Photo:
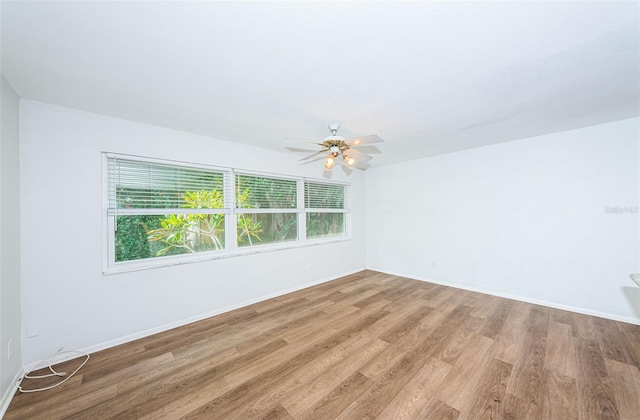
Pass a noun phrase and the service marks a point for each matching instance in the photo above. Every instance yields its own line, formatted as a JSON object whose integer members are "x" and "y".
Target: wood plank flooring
{"x": 369, "y": 345}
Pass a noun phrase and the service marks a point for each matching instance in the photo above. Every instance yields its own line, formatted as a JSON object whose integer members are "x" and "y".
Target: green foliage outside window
{"x": 187, "y": 233}
{"x": 146, "y": 236}
{"x": 320, "y": 225}
{"x": 131, "y": 237}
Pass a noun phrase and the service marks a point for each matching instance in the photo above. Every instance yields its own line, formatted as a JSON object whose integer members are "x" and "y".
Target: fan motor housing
{"x": 335, "y": 144}
{"x": 334, "y": 139}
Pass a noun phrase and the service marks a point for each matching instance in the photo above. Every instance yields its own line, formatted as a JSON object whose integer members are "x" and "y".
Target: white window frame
{"x": 110, "y": 266}
{"x": 346, "y": 211}
{"x": 240, "y": 250}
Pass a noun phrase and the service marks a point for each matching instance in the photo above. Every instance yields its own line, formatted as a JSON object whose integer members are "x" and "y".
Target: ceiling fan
{"x": 338, "y": 146}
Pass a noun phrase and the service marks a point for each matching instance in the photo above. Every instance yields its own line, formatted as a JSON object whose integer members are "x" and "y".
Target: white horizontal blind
{"x": 138, "y": 184}
{"x": 262, "y": 192}
{"x": 325, "y": 196}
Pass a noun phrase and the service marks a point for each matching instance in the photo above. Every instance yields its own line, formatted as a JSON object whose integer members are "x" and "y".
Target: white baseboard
{"x": 519, "y": 298}
{"x": 196, "y": 318}
{"x": 10, "y": 392}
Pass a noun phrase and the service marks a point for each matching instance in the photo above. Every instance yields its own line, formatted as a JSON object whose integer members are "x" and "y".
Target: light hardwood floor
{"x": 369, "y": 345}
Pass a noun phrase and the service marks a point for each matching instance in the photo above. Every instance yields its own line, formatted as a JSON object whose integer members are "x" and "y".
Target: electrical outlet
{"x": 9, "y": 349}
{"x": 310, "y": 267}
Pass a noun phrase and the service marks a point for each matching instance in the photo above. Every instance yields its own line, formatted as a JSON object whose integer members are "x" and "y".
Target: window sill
{"x": 153, "y": 263}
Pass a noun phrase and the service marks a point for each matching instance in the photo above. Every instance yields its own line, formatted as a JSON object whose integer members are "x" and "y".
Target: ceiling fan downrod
{"x": 333, "y": 128}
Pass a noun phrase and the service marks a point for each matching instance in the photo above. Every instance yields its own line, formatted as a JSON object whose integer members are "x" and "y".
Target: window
{"x": 267, "y": 210}
{"x": 160, "y": 213}
{"x": 161, "y": 210}
{"x": 325, "y": 206}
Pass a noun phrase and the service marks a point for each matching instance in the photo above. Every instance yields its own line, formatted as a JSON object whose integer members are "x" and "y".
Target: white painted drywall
{"x": 64, "y": 291}
{"x": 526, "y": 219}
{"x": 9, "y": 240}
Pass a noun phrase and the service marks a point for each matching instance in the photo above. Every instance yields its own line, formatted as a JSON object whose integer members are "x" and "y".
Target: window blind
{"x": 259, "y": 192}
{"x": 136, "y": 184}
{"x": 325, "y": 196}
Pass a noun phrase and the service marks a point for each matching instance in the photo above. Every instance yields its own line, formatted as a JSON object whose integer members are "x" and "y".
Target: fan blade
{"x": 357, "y": 155}
{"x": 357, "y": 141}
{"x": 368, "y": 150}
{"x": 300, "y": 150}
{"x": 313, "y": 155}
{"x": 361, "y": 165}
{"x": 311, "y": 160}
{"x": 301, "y": 145}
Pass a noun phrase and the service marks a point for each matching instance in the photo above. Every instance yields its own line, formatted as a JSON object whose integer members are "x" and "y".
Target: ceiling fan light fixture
{"x": 329, "y": 162}
{"x": 337, "y": 146}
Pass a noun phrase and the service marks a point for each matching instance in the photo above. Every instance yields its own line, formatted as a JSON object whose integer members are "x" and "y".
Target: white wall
{"x": 9, "y": 241}
{"x": 64, "y": 292}
{"x": 524, "y": 219}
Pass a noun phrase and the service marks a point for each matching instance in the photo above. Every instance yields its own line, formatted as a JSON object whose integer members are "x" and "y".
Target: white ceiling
{"x": 428, "y": 77}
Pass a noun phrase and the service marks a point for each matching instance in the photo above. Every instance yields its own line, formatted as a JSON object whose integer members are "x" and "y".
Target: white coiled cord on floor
{"x": 49, "y": 364}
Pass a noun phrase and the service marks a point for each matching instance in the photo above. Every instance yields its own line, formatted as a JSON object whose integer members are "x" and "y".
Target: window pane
{"x": 324, "y": 196}
{"x": 256, "y": 192}
{"x": 266, "y": 228}
{"x": 321, "y": 225}
{"x": 149, "y": 236}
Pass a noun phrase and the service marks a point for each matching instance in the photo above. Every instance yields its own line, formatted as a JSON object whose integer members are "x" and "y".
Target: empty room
{"x": 320, "y": 210}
